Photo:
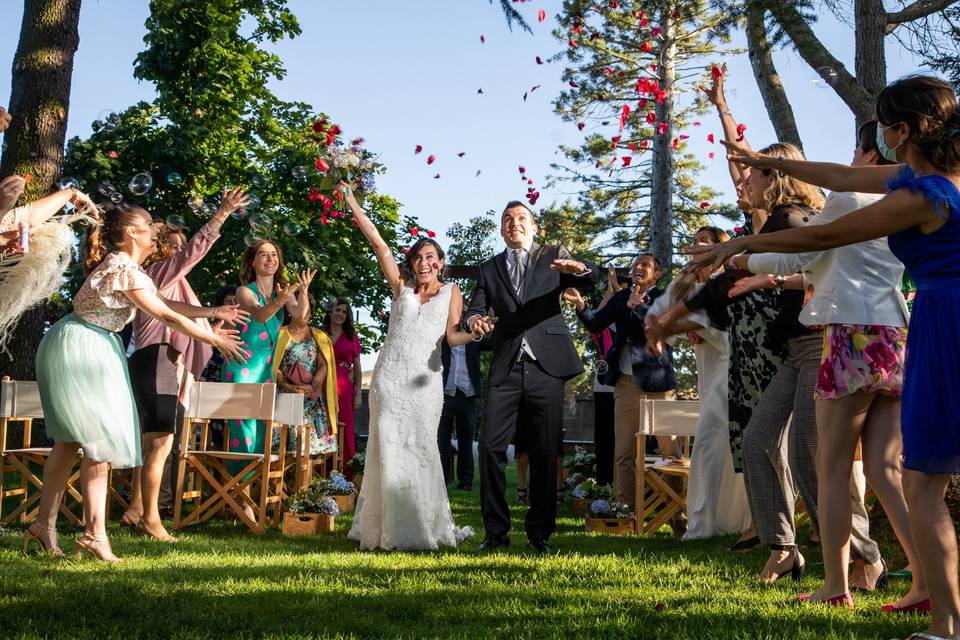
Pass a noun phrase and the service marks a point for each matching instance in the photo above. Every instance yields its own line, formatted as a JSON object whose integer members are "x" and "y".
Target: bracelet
{"x": 726, "y": 112}
{"x": 477, "y": 338}
{"x": 213, "y": 313}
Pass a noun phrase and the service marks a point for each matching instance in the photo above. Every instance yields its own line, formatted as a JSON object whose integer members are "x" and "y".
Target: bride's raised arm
{"x": 388, "y": 264}
{"x": 456, "y": 336}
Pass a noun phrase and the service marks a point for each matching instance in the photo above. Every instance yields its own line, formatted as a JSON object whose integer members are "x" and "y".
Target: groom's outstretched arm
{"x": 586, "y": 280}
{"x": 478, "y": 302}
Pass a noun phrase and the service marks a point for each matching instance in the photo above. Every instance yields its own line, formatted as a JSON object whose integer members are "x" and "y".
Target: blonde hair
{"x": 784, "y": 189}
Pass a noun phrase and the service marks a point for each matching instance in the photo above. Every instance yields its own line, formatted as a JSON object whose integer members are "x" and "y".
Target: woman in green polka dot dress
{"x": 267, "y": 296}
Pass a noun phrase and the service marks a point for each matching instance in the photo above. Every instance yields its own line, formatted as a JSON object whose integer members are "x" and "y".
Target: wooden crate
{"x": 581, "y": 506}
{"x": 614, "y": 526}
{"x": 344, "y": 502}
{"x": 307, "y": 524}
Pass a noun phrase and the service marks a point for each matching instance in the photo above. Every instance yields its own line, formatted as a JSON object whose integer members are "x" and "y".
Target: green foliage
{"x": 215, "y": 123}
{"x": 513, "y": 16}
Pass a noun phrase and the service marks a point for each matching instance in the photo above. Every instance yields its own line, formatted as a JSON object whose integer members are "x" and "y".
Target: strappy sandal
{"x": 522, "y": 496}
{"x": 29, "y": 537}
{"x": 90, "y": 543}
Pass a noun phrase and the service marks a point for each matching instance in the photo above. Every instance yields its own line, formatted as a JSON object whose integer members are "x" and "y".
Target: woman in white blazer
{"x": 856, "y": 299}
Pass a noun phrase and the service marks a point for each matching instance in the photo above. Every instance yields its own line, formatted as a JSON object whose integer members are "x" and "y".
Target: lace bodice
{"x": 412, "y": 344}
{"x": 100, "y": 300}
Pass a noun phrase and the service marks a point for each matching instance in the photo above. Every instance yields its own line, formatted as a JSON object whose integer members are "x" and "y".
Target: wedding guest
{"x": 338, "y": 324}
{"x": 266, "y": 295}
{"x": 165, "y": 363}
{"x": 303, "y": 362}
{"x": 856, "y": 299}
{"x": 919, "y": 126}
{"x": 462, "y": 383}
{"x": 604, "y": 437}
{"x": 634, "y": 375}
{"x": 83, "y": 381}
{"x": 716, "y": 497}
{"x": 33, "y": 214}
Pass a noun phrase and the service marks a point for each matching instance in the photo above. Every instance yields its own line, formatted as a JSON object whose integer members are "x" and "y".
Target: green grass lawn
{"x": 221, "y": 581}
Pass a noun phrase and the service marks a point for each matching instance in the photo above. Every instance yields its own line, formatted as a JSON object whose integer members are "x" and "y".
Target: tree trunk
{"x": 768, "y": 80}
{"x": 814, "y": 53}
{"x": 870, "y": 63}
{"x": 661, "y": 191}
{"x": 39, "y": 102}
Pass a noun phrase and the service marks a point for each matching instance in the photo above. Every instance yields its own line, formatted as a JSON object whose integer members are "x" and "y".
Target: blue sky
{"x": 406, "y": 73}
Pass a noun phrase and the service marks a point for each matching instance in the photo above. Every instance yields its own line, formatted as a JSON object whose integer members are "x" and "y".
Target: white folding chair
{"x": 657, "y": 501}
{"x": 229, "y": 401}
{"x": 20, "y": 402}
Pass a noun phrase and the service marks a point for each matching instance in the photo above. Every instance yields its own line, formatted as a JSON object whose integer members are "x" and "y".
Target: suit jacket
{"x": 649, "y": 373}
{"x": 533, "y": 313}
{"x": 472, "y": 354}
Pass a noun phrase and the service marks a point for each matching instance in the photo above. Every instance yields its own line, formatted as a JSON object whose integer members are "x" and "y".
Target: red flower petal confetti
{"x": 626, "y": 160}
{"x": 529, "y": 181}
{"x": 684, "y": 136}
{"x": 113, "y": 154}
{"x": 632, "y": 146}
{"x": 737, "y": 229}
{"x": 431, "y": 234}
{"x": 539, "y": 61}
{"x": 572, "y": 43}
{"x": 334, "y": 130}
{"x": 479, "y": 90}
{"x": 324, "y": 219}
{"x": 651, "y": 117}
{"x": 482, "y": 39}
{"x": 414, "y": 231}
{"x": 676, "y": 144}
{"x": 319, "y": 125}
{"x": 572, "y": 84}
{"x": 662, "y": 127}
{"x": 461, "y": 154}
{"x": 655, "y": 32}
{"x": 321, "y": 165}
{"x": 523, "y": 169}
{"x": 740, "y": 129}
{"x": 477, "y": 174}
{"x": 644, "y": 144}
{"x": 711, "y": 139}
{"x": 406, "y": 250}
{"x": 581, "y": 125}
{"x": 356, "y": 142}
{"x": 704, "y": 205}
{"x": 418, "y": 149}
{"x": 646, "y": 47}
{"x": 624, "y": 114}
{"x": 710, "y": 155}
{"x": 431, "y": 158}
{"x": 644, "y": 22}
{"x": 716, "y": 72}
{"x": 541, "y": 15}
{"x": 436, "y": 177}
{"x": 696, "y": 123}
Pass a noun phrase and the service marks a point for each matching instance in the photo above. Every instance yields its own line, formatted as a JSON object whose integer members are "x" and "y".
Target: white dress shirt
{"x": 459, "y": 376}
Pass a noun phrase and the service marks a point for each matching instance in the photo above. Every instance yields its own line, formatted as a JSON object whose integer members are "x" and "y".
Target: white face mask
{"x": 889, "y": 153}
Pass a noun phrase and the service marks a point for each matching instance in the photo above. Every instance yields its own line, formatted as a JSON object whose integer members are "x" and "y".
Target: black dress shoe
{"x": 745, "y": 545}
{"x": 492, "y": 544}
{"x": 539, "y": 546}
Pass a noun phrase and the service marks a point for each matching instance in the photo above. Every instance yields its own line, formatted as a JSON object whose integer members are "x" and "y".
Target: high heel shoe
{"x": 923, "y": 606}
{"x": 795, "y": 571}
{"x": 90, "y": 544}
{"x": 881, "y": 582}
{"x": 29, "y": 537}
{"x": 843, "y": 600}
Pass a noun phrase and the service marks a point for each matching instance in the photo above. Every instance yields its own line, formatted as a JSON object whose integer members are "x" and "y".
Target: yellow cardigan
{"x": 325, "y": 350}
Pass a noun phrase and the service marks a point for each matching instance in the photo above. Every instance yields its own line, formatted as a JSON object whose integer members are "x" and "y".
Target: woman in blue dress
{"x": 919, "y": 127}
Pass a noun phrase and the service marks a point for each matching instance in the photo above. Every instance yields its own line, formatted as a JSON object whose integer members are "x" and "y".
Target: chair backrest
{"x": 19, "y": 399}
{"x": 228, "y": 400}
{"x": 668, "y": 417}
{"x": 289, "y": 409}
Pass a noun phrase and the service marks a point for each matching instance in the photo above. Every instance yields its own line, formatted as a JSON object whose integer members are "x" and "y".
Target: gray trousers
{"x": 780, "y": 453}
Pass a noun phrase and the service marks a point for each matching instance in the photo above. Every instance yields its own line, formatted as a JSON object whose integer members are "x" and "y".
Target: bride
{"x": 403, "y": 501}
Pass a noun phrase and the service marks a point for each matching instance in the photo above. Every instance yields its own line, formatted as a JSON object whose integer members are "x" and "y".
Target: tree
{"x": 513, "y": 16}
{"x": 40, "y": 104}
{"x": 639, "y": 180}
{"x": 215, "y": 122}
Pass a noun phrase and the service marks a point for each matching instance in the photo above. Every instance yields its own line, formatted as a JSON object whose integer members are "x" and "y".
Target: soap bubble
{"x": 299, "y": 172}
{"x": 116, "y": 197}
{"x": 239, "y": 214}
{"x": 140, "y": 184}
{"x": 106, "y": 188}
{"x": 195, "y": 203}
{"x": 249, "y": 240}
{"x": 828, "y": 78}
{"x": 260, "y": 221}
{"x": 109, "y": 119}
{"x": 208, "y": 209}
{"x": 600, "y": 367}
{"x": 292, "y": 228}
{"x": 174, "y": 179}
{"x": 253, "y": 202}
{"x": 175, "y": 221}
{"x": 259, "y": 180}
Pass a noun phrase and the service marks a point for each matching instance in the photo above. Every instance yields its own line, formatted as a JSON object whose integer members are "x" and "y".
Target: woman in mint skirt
{"x": 82, "y": 375}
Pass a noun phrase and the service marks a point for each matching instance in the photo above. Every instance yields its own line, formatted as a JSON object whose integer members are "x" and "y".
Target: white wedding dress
{"x": 403, "y": 501}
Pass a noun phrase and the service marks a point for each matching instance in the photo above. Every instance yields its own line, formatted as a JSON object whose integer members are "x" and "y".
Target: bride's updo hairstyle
{"x": 407, "y": 271}
{"x": 929, "y": 106}
{"x": 107, "y": 236}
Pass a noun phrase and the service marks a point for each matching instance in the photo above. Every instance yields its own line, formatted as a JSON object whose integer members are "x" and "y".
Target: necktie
{"x": 516, "y": 275}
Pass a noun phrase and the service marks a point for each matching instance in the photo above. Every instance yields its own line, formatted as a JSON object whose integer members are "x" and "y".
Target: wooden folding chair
{"x": 20, "y": 402}
{"x": 229, "y": 401}
{"x": 656, "y": 500}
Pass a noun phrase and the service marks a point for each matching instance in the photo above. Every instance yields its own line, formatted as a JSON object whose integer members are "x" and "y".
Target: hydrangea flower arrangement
{"x": 607, "y": 509}
{"x": 308, "y": 500}
{"x": 590, "y": 490}
{"x": 335, "y": 485}
{"x": 582, "y": 462}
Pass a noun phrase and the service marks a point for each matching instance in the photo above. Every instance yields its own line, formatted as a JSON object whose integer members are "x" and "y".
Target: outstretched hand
{"x": 566, "y": 265}
{"x": 714, "y": 93}
{"x": 231, "y": 200}
{"x": 712, "y": 255}
{"x": 744, "y": 155}
{"x": 285, "y": 293}
{"x": 232, "y": 314}
{"x": 751, "y": 283}
{"x": 228, "y": 342}
{"x": 573, "y": 297}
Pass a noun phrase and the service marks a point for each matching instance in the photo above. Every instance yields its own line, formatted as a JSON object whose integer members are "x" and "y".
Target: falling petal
{"x": 711, "y": 139}
{"x": 418, "y": 149}
{"x": 541, "y": 15}
{"x": 539, "y": 61}
{"x": 704, "y": 205}
{"x": 431, "y": 234}
{"x": 414, "y": 231}
{"x": 581, "y": 125}
{"x": 436, "y": 177}
{"x": 482, "y": 39}
{"x": 461, "y": 154}
{"x": 431, "y": 158}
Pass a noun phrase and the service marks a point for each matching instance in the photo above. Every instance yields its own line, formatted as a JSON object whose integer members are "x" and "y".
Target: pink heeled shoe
{"x": 923, "y": 606}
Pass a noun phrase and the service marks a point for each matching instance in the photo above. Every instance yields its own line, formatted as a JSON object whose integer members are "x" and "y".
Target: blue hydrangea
{"x": 578, "y": 492}
{"x": 600, "y": 507}
{"x": 329, "y": 507}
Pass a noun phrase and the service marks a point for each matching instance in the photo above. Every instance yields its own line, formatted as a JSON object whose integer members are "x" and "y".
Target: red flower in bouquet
{"x": 322, "y": 165}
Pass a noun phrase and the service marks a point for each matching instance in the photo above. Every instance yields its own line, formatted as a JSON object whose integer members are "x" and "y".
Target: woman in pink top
{"x": 346, "y": 349}
{"x": 166, "y": 362}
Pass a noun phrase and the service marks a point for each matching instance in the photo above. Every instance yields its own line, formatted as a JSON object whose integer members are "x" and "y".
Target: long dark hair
{"x": 407, "y": 267}
{"x": 348, "y": 329}
{"x": 929, "y": 106}
{"x": 107, "y": 236}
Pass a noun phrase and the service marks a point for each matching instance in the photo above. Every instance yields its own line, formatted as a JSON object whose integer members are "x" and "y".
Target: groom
{"x": 533, "y": 354}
